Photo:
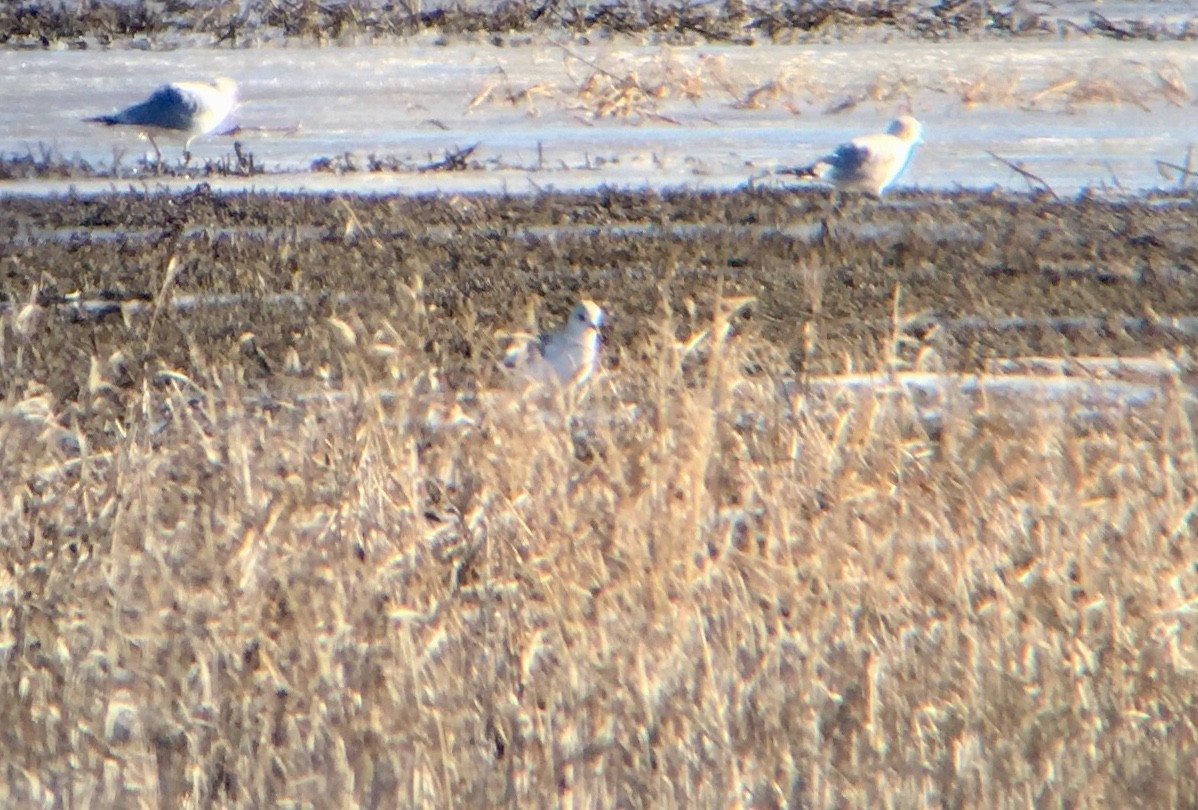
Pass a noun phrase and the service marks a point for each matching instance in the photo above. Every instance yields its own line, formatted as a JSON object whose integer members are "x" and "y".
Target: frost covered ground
{"x": 569, "y": 114}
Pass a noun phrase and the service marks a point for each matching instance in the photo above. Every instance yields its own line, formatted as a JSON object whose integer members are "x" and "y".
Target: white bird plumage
{"x": 182, "y": 109}
{"x": 869, "y": 163}
{"x": 567, "y": 357}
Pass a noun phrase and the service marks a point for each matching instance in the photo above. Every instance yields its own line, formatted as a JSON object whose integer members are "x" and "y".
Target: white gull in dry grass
{"x": 869, "y": 163}
{"x": 184, "y": 110}
{"x": 567, "y": 357}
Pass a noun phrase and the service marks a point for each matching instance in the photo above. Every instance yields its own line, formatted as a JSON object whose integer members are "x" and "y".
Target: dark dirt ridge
{"x": 34, "y": 23}
{"x": 47, "y": 163}
{"x": 1090, "y": 276}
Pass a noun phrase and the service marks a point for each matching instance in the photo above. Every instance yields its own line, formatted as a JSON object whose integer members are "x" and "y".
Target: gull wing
{"x": 167, "y": 107}
{"x": 850, "y": 157}
{"x": 525, "y": 350}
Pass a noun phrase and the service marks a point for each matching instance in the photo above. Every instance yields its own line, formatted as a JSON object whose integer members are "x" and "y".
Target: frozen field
{"x": 1084, "y": 114}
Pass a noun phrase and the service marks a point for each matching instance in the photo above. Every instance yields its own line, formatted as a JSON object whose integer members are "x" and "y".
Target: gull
{"x": 869, "y": 163}
{"x": 181, "y": 109}
{"x": 567, "y": 357}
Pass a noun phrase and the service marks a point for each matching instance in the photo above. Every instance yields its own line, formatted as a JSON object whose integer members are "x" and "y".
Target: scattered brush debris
{"x": 1035, "y": 182}
{"x": 627, "y": 88}
{"x": 1181, "y": 172}
{"x": 47, "y": 164}
{"x": 453, "y": 160}
{"x": 44, "y": 164}
{"x": 240, "y": 164}
{"x": 651, "y": 87}
{"x": 337, "y": 164}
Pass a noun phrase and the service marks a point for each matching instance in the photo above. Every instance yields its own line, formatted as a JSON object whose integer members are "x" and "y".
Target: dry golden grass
{"x": 634, "y": 88}
{"x": 704, "y": 585}
{"x": 1101, "y": 82}
{"x": 619, "y": 86}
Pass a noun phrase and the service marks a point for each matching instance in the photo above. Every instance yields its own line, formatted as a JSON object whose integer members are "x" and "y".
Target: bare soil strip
{"x": 39, "y": 23}
{"x": 972, "y": 277}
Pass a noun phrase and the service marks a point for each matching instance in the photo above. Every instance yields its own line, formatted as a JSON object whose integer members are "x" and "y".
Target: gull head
{"x": 586, "y": 317}
{"x": 228, "y": 90}
{"x": 906, "y": 129}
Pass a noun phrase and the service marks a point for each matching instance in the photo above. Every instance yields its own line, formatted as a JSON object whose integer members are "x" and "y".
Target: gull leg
{"x": 157, "y": 152}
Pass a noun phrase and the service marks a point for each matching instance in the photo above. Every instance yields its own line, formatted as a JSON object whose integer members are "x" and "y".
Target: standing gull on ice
{"x": 182, "y": 109}
{"x": 567, "y": 357}
{"x": 869, "y": 163}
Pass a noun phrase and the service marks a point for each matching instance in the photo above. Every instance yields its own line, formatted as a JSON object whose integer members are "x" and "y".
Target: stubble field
{"x": 875, "y": 503}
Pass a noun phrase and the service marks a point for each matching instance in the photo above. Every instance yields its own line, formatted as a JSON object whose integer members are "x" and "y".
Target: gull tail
{"x": 813, "y": 172}
{"x": 106, "y": 120}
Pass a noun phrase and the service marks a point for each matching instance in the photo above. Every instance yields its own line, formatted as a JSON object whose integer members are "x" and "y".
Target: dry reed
{"x": 703, "y": 585}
